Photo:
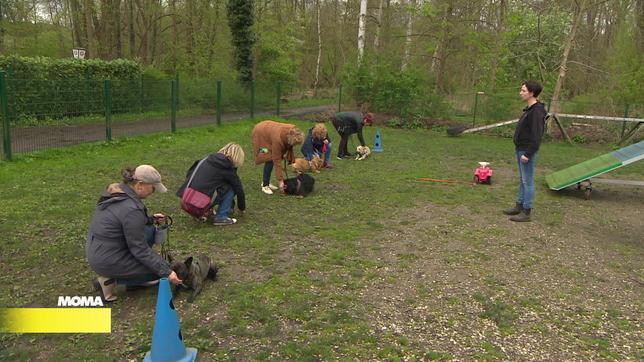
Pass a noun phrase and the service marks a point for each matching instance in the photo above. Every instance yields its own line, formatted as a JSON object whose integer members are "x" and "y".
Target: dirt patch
{"x": 477, "y": 286}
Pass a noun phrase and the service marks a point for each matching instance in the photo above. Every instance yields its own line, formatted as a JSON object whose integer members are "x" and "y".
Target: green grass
{"x": 295, "y": 272}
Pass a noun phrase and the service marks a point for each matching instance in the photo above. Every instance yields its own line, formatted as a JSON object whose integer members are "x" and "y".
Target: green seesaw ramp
{"x": 595, "y": 167}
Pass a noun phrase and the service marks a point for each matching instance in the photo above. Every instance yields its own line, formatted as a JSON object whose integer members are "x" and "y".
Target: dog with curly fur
{"x": 362, "y": 152}
{"x": 301, "y": 165}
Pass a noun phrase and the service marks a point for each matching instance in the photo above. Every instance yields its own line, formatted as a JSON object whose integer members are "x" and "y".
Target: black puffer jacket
{"x": 529, "y": 131}
{"x": 217, "y": 172}
{"x": 116, "y": 245}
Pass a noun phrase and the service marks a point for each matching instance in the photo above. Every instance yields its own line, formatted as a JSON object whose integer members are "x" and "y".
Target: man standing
{"x": 527, "y": 138}
{"x": 348, "y": 123}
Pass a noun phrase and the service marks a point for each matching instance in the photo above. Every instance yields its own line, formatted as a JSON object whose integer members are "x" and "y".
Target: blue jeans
{"x": 526, "y": 180}
{"x": 327, "y": 154}
{"x": 225, "y": 201}
{"x": 268, "y": 168}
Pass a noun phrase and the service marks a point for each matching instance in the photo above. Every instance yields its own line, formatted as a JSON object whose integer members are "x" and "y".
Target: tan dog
{"x": 362, "y": 152}
{"x": 301, "y": 165}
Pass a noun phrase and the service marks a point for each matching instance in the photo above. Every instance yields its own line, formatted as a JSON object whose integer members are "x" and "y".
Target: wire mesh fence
{"x": 37, "y": 114}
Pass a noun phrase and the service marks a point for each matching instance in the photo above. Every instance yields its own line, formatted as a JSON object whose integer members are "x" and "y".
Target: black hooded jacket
{"x": 529, "y": 131}
{"x": 217, "y": 172}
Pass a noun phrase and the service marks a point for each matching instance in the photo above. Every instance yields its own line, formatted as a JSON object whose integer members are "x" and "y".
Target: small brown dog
{"x": 362, "y": 152}
{"x": 301, "y": 165}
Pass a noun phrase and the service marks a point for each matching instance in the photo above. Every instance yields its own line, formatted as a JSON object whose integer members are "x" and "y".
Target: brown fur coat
{"x": 272, "y": 136}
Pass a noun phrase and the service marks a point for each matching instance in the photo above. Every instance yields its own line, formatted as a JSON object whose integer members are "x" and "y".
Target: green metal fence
{"x": 40, "y": 114}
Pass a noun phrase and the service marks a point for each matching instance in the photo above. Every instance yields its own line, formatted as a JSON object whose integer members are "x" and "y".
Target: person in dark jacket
{"x": 317, "y": 142}
{"x": 218, "y": 175}
{"x": 527, "y": 139}
{"x": 119, "y": 244}
{"x": 348, "y": 123}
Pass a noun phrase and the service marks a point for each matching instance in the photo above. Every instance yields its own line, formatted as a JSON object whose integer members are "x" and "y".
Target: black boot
{"x": 524, "y": 216}
{"x": 516, "y": 210}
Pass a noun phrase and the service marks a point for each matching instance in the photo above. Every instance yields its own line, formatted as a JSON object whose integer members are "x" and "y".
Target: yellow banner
{"x": 55, "y": 320}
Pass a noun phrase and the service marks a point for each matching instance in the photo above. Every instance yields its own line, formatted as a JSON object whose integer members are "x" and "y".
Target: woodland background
{"x": 395, "y": 55}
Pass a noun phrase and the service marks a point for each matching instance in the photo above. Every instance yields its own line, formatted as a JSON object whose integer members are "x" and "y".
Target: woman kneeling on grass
{"x": 217, "y": 174}
{"x": 121, "y": 235}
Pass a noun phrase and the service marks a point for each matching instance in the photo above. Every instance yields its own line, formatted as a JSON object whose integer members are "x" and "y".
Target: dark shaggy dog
{"x": 301, "y": 185}
{"x": 193, "y": 273}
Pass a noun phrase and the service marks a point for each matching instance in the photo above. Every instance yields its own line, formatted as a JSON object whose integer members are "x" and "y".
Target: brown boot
{"x": 524, "y": 216}
{"x": 327, "y": 165}
{"x": 516, "y": 210}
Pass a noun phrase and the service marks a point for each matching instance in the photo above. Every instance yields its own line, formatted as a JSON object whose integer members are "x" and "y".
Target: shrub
{"x": 40, "y": 87}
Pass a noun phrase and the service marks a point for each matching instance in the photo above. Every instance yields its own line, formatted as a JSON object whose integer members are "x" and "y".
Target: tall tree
{"x": 376, "y": 37}
{"x": 408, "y": 33}
{"x": 362, "y": 23}
{"x": 240, "y": 21}
{"x": 2, "y": 31}
{"x": 317, "y": 63}
{"x": 579, "y": 9}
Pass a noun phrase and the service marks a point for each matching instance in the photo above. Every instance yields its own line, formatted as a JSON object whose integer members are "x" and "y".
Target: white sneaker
{"x": 267, "y": 190}
{"x": 273, "y": 187}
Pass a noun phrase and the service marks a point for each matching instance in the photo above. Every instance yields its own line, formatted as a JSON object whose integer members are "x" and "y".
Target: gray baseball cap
{"x": 149, "y": 175}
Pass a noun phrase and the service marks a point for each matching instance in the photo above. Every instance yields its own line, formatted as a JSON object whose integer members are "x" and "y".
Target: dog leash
{"x": 165, "y": 247}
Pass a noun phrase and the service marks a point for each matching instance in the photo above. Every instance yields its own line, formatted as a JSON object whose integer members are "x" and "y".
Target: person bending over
{"x": 348, "y": 123}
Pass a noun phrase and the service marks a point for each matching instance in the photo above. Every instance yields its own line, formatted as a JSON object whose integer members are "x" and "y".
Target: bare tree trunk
{"x": 639, "y": 8}
{"x": 175, "y": 34}
{"x": 90, "y": 47}
{"x": 190, "y": 33}
{"x": 376, "y": 38}
{"x": 317, "y": 63}
{"x": 410, "y": 10}
{"x": 118, "y": 46}
{"x": 500, "y": 30}
{"x": 1, "y": 29}
{"x": 213, "y": 34}
{"x": 438, "y": 58}
{"x": 78, "y": 27}
{"x": 361, "y": 29}
{"x": 54, "y": 16}
{"x": 554, "y": 104}
{"x": 155, "y": 30}
{"x": 130, "y": 25}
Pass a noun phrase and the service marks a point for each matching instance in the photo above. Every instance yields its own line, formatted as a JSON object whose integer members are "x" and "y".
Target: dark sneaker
{"x": 225, "y": 221}
{"x": 523, "y": 216}
{"x": 516, "y": 210}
